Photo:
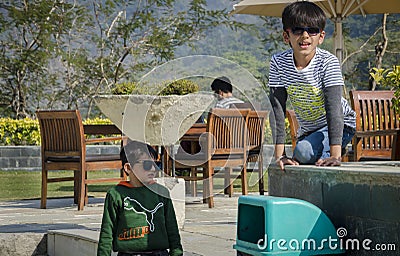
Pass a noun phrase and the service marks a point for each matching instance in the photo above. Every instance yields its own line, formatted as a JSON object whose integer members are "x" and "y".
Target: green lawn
{"x": 26, "y": 184}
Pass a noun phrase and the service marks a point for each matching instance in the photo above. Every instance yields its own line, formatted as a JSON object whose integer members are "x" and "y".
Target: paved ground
{"x": 206, "y": 231}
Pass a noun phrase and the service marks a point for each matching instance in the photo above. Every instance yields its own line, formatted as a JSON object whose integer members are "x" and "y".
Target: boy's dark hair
{"x": 133, "y": 150}
{"x": 303, "y": 14}
{"x": 221, "y": 84}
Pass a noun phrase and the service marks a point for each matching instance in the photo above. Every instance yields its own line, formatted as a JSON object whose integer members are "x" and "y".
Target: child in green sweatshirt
{"x": 138, "y": 217}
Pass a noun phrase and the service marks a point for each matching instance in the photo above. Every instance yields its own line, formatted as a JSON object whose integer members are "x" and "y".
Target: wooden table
{"x": 193, "y": 136}
{"x": 101, "y": 129}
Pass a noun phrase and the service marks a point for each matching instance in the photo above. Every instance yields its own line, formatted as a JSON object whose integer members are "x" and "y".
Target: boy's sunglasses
{"x": 312, "y": 31}
{"x": 148, "y": 164}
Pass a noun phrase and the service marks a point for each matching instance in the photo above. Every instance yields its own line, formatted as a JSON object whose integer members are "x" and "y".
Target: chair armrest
{"x": 363, "y": 134}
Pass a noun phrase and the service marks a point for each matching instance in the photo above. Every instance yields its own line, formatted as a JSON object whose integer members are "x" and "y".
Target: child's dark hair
{"x": 133, "y": 150}
{"x": 303, "y": 14}
{"x": 221, "y": 84}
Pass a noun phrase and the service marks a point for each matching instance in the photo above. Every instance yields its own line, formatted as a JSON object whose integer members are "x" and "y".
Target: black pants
{"x": 154, "y": 253}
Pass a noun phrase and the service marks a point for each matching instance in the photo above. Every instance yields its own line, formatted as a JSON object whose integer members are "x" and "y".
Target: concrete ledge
{"x": 362, "y": 197}
{"x": 23, "y": 244}
{"x": 72, "y": 242}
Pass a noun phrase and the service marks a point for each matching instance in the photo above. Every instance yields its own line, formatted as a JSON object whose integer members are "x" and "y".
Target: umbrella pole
{"x": 338, "y": 39}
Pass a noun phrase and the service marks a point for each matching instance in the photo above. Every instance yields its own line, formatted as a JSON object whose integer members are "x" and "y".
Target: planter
{"x": 156, "y": 120}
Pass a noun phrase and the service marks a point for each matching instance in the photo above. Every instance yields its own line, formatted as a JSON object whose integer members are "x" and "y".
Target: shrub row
{"x": 26, "y": 131}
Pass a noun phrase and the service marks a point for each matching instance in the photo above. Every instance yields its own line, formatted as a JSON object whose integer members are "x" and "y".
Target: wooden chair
{"x": 377, "y": 125}
{"x": 256, "y": 129}
{"x": 244, "y": 105}
{"x": 225, "y": 145}
{"x": 63, "y": 147}
{"x": 294, "y": 126}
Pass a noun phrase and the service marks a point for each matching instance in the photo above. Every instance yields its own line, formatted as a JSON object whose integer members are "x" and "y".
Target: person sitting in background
{"x": 223, "y": 87}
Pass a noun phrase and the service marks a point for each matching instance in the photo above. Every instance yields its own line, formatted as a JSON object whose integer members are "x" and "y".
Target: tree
{"x": 381, "y": 39}
{"x": 28, "y": 44}
{"x": 61, "y": 53}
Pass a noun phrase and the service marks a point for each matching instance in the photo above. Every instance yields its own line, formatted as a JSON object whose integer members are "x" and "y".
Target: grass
{"x": 16, "y": 185}
{"x": 27, "y": 184}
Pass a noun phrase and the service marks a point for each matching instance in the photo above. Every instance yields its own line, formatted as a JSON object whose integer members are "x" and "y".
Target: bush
{"x": 389, "y": 78}
{"x": 19, "y": 132}
{"x": 126, "y": 88}
{"x": 179, "y": 87}
{"x": 26, "y": 131}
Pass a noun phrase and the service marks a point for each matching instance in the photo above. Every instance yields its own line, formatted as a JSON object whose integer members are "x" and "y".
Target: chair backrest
{"x": 61, "y": 133}
{"x": 293, "y": 125}
{"x": 252, "y": 106}
{"x": 256, "y": 128}
{"x": 374, "y": 113}
{"x": 227, "y": 131}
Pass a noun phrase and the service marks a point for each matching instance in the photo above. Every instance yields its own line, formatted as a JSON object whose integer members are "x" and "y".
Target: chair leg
{"x": 76, "y": 187}
{"x": 193, "y": 184}
{"x": 396, "y": 147}
{"x": 86, "y": 190}
{"x": 228, "y": 188}
{"x": 260, "y": 175}
{"x": 245, "y": 190}
{"x": 82, "y": 185}
{"x": 208, "y": 188}
{"x": 205, "y": 186}
{"x": 43, "y": 198}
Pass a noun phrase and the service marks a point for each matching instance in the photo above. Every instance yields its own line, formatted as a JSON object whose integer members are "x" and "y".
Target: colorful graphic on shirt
{"x": 133, "y": 205}
{"x": 307, "y": 101}
{"x": 134, "y": 233}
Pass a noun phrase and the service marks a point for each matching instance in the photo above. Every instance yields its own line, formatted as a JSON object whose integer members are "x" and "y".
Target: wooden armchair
{"x": 224, "y": 145}
{"x": 294, "y": 126}
{"x": 63, "y": 147}
{"x": 377, "y": 125}
{"x": 256, "y": 129}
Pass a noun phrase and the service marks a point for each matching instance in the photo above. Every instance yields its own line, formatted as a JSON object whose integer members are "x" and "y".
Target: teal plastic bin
{"x": 270, "y": 225}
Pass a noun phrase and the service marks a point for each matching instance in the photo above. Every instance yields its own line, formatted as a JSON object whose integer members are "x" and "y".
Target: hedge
{"x": 26, "y": 131}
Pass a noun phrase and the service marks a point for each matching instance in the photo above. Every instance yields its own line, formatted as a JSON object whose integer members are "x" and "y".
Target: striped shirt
{"x": 305, "y": 87}
{"x": 227, "y": 102}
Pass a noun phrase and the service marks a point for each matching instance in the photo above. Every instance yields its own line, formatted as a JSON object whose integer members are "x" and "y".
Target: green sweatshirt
{"x": 139, "y": 219}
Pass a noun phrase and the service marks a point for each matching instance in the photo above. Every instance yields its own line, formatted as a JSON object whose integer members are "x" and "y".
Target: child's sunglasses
{"x": 312, "y": 31}
{"x": 148, "y": 164}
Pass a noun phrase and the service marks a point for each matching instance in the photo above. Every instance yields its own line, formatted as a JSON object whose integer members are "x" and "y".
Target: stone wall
{"x": 363, "y": 198}
{"x": 14, "y": 158}
{"x": 28, "y": 157}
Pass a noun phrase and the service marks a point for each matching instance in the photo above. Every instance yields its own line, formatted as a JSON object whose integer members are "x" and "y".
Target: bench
{"x": 377, "y": 125}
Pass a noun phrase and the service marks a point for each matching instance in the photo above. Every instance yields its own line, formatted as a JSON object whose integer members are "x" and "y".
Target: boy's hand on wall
{"x": 331, "y": 161}
{"x": 286, "y": 161}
